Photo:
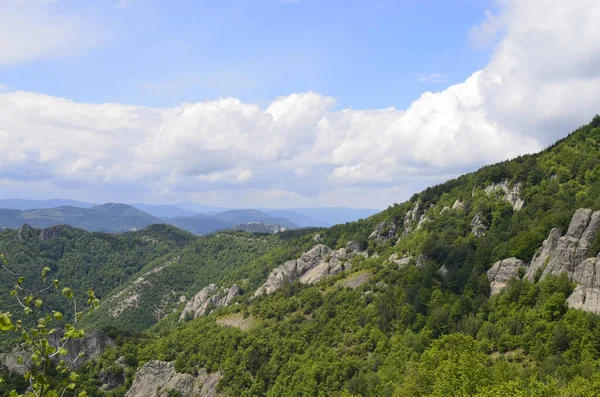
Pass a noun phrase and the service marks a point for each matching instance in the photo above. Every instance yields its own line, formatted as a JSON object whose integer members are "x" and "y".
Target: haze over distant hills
{"x": 114, "y": 217}
{"x": 221, "y": 216}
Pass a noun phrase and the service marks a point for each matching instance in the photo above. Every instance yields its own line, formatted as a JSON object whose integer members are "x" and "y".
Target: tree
{"x": 48, "y": 374}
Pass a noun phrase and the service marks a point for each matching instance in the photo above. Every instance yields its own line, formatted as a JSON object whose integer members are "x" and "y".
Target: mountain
{"x": 205, "y": 224}
{"x": 485, "y": 285}
{"x": 105, "y": 218}
{"x": 23, "y": 205}
{"x": 326, "y": 216}
{"x": 163, "y": 211}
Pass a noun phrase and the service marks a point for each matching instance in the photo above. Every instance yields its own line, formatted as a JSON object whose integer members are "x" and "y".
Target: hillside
{"x": 472, "y": 287}
{"x": 103, "y": 218}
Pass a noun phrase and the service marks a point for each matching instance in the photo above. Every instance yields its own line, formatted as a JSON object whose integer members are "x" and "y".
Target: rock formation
{"x": 478, "y": 228}
{"x": 92, "y": 346}
{"x": 50, "y": 232}
{"x": 209, "y": 298}
{"x": 159, "y": 379}
{"x": 502, "y": 271}
{"x": 409, "y": 219}
{"x": 384, "y": 231}
{"x": 511, "y": 195}
{"x": 260, "y": 227}
{"x": 313, "y": 266}
{"x": 563, "y": 254}
{"x": 586, "y": 295}
{"x": 400, "y": 261}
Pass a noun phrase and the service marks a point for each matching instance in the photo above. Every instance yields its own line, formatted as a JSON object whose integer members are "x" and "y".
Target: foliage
{"x": 48, "y": 373}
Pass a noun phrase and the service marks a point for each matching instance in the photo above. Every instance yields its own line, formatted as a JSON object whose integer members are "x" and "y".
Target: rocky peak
{"x": 50, "y": 232}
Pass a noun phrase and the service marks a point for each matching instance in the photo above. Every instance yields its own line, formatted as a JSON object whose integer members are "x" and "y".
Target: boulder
{"x": 159, "y": 379}
{"x": 502, "y": 271}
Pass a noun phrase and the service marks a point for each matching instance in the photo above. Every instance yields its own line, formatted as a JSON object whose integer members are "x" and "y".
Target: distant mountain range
{"x": 99, "y": 218}
{"x": 197, "y": 218}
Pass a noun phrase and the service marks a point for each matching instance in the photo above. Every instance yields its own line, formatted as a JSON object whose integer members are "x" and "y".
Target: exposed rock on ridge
{"x": 210, "y": 297}
{"x": 159, "y": 379}
{"x": 313, "y": 266}
{"x": 512, "y": 195}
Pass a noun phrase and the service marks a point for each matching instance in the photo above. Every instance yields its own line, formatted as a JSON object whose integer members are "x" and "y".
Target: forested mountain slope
{"x": 400, "y": 303}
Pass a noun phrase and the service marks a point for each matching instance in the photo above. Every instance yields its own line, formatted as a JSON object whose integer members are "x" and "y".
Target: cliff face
{"x": 562, "y": 254}
{"x": 159, "y": 379}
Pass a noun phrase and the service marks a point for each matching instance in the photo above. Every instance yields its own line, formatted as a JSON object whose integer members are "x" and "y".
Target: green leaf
{"x": 44, "y": 271}
{"x": 38, "y": 303}
{"x": 5, "y": 322}
{"x": 57, "y": 315}
{"x": 67, "y": 292}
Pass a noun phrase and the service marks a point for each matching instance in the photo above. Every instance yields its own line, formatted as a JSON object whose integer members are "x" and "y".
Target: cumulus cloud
{"x": 541, "y": 82}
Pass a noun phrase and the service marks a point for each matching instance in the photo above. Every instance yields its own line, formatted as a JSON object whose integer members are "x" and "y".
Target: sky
{"x": 283, "y": 103}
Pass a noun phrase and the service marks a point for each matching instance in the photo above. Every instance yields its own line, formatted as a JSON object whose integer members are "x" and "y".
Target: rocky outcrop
{"x": 409, "y": 219}
{"x": 260, "y": 227}
{"x": 208, "y": 299}
{"x": 458, "y": 205}
{"x": 400, "y": 261}
{"x": 502, "y": 271}
{"x": 110, "y": 379}
{"x": 564, "y": 254}
{"x": 478, "y": 228}
{"x": 50, "y": 232}
{"x": 384, "y": 231}
{"x": 586, "y": 295}
{"x": 313, "y": 266}
{"x": 91, "y": 346}
{"x": 159, "y": 379}
{"x": 506, "y": 193}
{"x": 25, "y": 232}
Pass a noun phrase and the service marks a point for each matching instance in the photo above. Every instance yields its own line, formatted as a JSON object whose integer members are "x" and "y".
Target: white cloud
{"x": 34, "y": 29}
{"x": 541, "y": 82}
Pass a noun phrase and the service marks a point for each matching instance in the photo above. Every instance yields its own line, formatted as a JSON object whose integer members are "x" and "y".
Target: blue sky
{"x": 271, "y": 103}
{"x": 365, "y": 53}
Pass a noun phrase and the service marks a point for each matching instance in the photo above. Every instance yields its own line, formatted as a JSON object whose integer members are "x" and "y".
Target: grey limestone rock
{"x": 478, "y": 228}
{"x": 502, "y": 271}
{"x": 313, "y": 266}
{"x": 507, "y": 193}
{"x": 210, "y": 297}
{"x": 159, "y": 379}
{"x": 384, "y": 231}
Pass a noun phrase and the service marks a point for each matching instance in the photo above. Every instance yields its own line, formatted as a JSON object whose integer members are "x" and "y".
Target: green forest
{"x": 429, "y": 327}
